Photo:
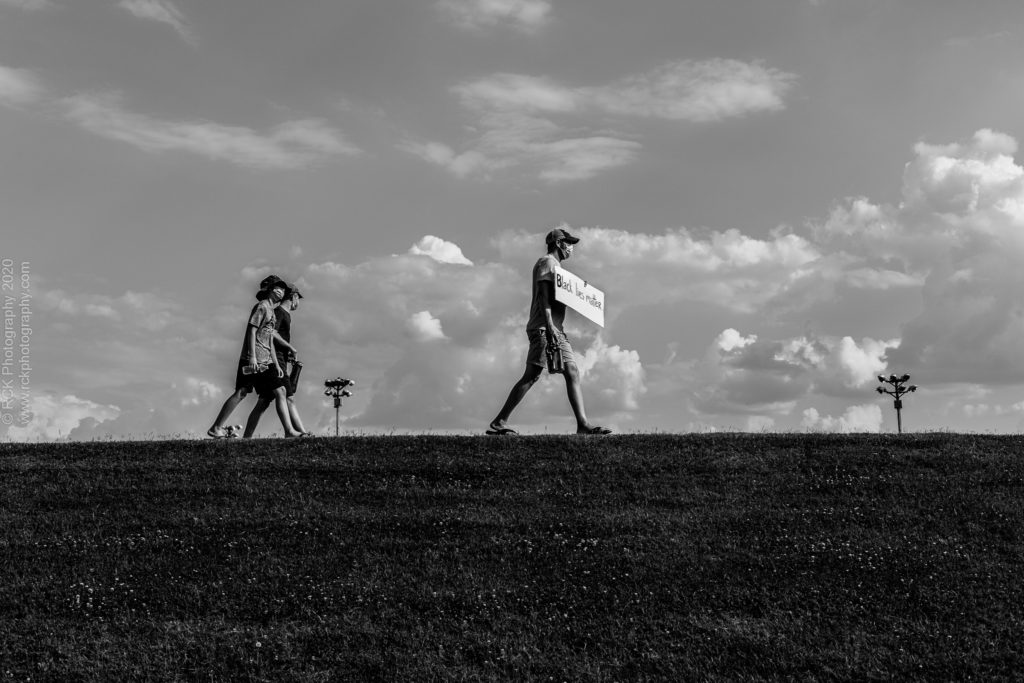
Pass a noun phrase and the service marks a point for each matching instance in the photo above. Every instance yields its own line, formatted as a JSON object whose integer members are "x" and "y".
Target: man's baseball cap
{"x": 292, "y": 290}
{"x": 561, "y": 234}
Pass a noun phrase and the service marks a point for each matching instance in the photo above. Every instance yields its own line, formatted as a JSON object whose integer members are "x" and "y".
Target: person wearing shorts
{"x": 243, "y": 381}
{"x": 258, "y": 368}
{"x": 286, "y": 355}
{"x": 545, "y": 334}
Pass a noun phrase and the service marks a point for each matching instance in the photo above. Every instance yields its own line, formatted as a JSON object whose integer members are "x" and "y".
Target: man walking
{"x": 258, "y": 369}
{"x": 243, "y": 379}
{"x": 547, "y": 338}
{"x": 286, "y": 358}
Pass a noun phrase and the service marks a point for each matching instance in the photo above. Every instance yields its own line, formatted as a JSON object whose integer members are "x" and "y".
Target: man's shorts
{"x": 286, "y": 382}
{"x": 263, "y": 383}
{"x": 242, "y": 380}
{"x": 267, "y": 382}
{"x": 539, "y": 344}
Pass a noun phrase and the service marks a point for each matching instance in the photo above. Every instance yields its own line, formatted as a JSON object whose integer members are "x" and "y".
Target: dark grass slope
{"x": 714, "y": 557}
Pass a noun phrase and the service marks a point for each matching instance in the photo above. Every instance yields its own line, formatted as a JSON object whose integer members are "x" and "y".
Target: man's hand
{"x": 253, "y": 367}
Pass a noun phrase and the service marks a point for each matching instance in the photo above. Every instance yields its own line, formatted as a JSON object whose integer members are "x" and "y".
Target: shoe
{"x": 217, "y": 433}
{"x": 595, "y": 430}
{"x": 500, "y": 431}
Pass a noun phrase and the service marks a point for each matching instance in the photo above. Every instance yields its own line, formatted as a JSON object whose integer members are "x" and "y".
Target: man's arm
{"x": 279, "y": 341}
{"x": 250, "y": 350}
{"x": 547, "y": 295}
{"x": 273, "y": 356}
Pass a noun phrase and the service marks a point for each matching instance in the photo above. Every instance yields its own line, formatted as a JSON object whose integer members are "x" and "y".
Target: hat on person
{"x": 561, "y": 234}
{"x": 269, "y": 281}
{"x": 267, "y": 284}
{"x": 292, "y": 290}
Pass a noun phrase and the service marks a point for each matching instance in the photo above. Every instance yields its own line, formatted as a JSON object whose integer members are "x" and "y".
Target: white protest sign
{"x": 580, "y": 296}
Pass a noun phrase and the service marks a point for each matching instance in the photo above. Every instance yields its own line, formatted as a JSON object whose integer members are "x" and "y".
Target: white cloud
{"x": 424, "y": 327}
{"x": 862, "y": 364}
{"x": 738, "y": 272}
{"x": 461, "y": 165}
{"x": 18, "y": 87}
{"x": 863, "y": 418}
{"x": 162, "y": 11}
{"x": 731, "y": 339}
{"x": 440, "y": 250}
{"x": 959, "y": 230}
{"x": 290, "y": 145}
{"x": 56, "y": 417}
{"x": 614, "y": 377}
{"x": 198, "y": 392}
{"x": 560, "y": 133}
{"x": 515, "y": 92}
{"x": 141, "y": 310}
{"x": 698, "y": 91}
{"x": 744, "y": 374}
{"x": 512, "y": 140}
{"x": 525, "y": 15}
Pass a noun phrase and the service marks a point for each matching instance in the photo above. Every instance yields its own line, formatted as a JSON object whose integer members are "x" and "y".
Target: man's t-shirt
{"x": 263, "y": 320}
{"x": 243, "y": 357}
{"x": 284, "y": 328}
{"x": 544, "y": 271}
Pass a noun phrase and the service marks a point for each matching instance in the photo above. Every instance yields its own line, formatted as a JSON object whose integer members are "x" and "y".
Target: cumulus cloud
{"x": 290, "y": 145}
{"x": 744, "y": 374}
{"x": 614, "y": 376}
{"x": 197, "y": 392}
{"x": 958, "y": 231}
{"x": 162, "y": 11}
{"x": 56, "y": 417}
{"x": 424, "y": 327}
{"x": 727, "y": 267}
{"x": 863, "y": 418}
{"x": 524, "y": 15}
{"x": 440, "y": 250}
{"x": 548, "y": 128}
{"x": 19, "y": 87}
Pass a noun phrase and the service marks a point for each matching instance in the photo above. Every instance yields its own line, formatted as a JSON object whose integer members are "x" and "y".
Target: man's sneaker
{"x": 222, "y": 432}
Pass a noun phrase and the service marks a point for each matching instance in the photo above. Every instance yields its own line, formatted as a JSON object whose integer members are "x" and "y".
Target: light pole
{"x": 336, "y": 388}
{"x": 896, "y": 392}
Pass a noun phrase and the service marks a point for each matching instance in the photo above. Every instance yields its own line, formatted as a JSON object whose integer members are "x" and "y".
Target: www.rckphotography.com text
{"x": 16, "y": 353}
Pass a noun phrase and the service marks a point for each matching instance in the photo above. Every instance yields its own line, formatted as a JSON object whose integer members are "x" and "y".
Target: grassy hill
{"x": 645, "y": 557}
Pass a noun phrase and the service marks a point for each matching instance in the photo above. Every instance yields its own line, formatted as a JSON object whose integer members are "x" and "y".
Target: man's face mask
{"x": 566, "y": 249}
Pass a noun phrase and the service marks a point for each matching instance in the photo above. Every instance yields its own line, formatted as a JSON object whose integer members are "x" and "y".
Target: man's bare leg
{"x": 281, "y": 403}
{"x": 254, "y": 417}
{"x": 574, "y": 387}
{"x": 294, "y": 413}
{"x": 517, "y": 394}
{"x": 229, "y": 407}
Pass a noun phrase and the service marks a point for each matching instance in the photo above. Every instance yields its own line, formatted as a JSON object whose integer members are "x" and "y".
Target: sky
{"x": 781, "y": 200}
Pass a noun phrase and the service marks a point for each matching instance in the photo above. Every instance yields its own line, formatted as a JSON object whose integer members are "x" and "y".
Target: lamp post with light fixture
{"x": 897, "y": 391}
{"x": 336, "y": 388}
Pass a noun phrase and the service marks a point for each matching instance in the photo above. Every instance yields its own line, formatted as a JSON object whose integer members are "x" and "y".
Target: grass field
{"x": 644, "y": 557}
